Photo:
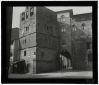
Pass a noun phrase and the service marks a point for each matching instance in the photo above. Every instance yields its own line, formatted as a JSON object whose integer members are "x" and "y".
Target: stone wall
{"x": 46, "y": 60}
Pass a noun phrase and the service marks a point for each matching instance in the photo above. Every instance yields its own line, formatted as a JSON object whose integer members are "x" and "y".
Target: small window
{"x": 27, "y": 14}
{"x": 25, "y": 41}
{"x": 24, "y": 53}
{"x": 31, "y": 11}
{"x": 74, "y": 27}
{"x": 27, "y": 28}
{"x": 47, "y": 28}
{"x": 63, "y": 30}
{"x": 82, "y": 26}
{"x": 23, "y": 16}
{"x": 34, "y": 53}
{"x": 62, "y": 18}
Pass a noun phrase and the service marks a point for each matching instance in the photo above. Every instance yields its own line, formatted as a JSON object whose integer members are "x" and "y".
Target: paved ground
{"x": 80, "y": 74}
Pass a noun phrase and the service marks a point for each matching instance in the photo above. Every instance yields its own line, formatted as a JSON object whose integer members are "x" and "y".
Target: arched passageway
{"x": 65, "y": 60}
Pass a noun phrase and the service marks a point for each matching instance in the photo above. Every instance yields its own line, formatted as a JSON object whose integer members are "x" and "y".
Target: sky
{"x": 76, "y": 10}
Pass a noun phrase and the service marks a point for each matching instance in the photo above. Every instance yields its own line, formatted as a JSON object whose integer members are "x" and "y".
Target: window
{"x": 34, "y": 53}
{"x": 82, "y": 26}
{"x": 27, "y": 28}
{"x": 31, "y": 11}
{"x": 62, "y": 18}
{"x": 27, "y": 14}
{"x": 74, "y": 27}
{"x": 24, "y": 53}
{"x": 23, "y": 16}
{"x": 47, "y": 28}
{"x": 25, "y": 41}
{"x": 63, "y": 30}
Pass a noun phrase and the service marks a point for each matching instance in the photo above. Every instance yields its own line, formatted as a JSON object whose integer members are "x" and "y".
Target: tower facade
{"x": 39, "y": 39}
{"x": 64, "y": 19}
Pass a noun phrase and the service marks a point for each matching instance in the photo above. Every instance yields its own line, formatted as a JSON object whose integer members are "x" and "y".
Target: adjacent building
{"x": 82, "y": 41}
{"x": 76, "y": 38}
{"x": 14, "y": 45}
{"x": 39, "y": 42}
{"x": 64, "y": 21}
{"x": 44, "y": 35}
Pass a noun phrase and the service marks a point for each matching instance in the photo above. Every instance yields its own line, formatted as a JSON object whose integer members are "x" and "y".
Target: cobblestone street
{"x": 79, "y": 74}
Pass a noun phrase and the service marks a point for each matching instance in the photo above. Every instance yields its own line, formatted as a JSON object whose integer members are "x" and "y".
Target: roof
{"x": 82, "y": 17}
{"x": 64, "y": 11}
{"x": 14, "y": 33}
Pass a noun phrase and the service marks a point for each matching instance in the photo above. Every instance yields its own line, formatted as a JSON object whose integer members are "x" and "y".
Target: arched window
{"x": 82, "y": 26}
{"x": 63, "y": 30}
{"x": 74, "y": 27}
{"x": 62, "y": 18}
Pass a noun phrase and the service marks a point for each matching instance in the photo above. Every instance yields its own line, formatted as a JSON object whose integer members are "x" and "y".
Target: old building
{"x": 64, "y": 20}
{"x": 39, "y": 41}
{"x": 45, "y": 34}
{"x": 76, "y": 38}
{"x": 82, "y": 40}
{"x": 14, "y": 45}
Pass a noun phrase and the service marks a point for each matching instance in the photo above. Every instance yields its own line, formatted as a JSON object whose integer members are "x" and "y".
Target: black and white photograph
{"x": 50, "y": 42}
